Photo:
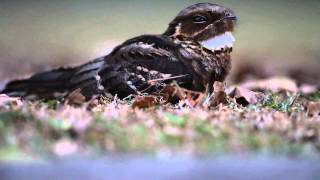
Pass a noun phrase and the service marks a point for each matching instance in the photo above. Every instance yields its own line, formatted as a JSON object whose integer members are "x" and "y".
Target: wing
{"x": 87, "y": 79}
{"x": 142, "y": 65}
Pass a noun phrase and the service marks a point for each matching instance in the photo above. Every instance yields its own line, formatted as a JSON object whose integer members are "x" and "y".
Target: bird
{"x": 194, "y": 51}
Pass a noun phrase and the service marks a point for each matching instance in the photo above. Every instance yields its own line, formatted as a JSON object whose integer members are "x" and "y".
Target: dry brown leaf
{"x": 218, "y": 96}
{"x": 97, "y": 102}
{"x": 245, "y": 96}
{"x": 275, "y": 84}
{"x": 75, "y": 98}
{"x": 313, "y": 108}
{"x": 145, "y": 101}
{"x": 172, "y": 93}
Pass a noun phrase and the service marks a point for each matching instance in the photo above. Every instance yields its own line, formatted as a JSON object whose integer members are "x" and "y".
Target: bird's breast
{"x": 208, "y": 65}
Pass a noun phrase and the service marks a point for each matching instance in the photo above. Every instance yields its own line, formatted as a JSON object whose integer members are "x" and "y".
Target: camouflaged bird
{"x": 194, "y": 51}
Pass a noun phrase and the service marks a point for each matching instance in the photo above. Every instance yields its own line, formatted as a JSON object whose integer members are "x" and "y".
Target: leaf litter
{"x": 269, "y": 115}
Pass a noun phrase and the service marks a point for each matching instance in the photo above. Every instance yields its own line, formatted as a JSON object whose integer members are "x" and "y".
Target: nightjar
{"x": 194, "y": 52}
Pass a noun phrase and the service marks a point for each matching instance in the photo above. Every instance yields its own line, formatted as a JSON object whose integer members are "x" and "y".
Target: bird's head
{"x": 209, "y": 24}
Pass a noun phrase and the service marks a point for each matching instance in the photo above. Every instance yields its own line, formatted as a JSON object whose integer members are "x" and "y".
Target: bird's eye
{"x": 199, "y": 19}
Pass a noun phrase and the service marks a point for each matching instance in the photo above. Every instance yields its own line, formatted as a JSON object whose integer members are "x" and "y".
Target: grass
{"x": 313, "y": 96}
{"x": 278, "y": 125}
{"x": 280, "y": 102}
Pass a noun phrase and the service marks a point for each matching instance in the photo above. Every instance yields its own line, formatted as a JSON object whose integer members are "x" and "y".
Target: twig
{"x": 168, "y": 78}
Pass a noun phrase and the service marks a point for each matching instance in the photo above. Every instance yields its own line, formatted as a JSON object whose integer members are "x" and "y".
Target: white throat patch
{"x": 222, "y": 41}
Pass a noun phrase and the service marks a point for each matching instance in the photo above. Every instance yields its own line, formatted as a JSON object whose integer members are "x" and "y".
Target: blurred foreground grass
{"x": 279, "y": 125}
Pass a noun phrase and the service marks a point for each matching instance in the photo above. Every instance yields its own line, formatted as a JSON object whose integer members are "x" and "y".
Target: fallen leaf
{"x": 75, "y": 98}
{"x": 245, "y": 96}
{"x": 145, "y": 102}
{"x": 313, "y": 108}
{"x": 173, "y": 94}
{"x": 276, "y": 84}
{"x": 218, "y": 96}
{"x": 97, "y": 102}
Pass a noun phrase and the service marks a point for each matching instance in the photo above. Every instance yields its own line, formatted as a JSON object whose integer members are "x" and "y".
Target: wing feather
{"x": 143, "y": 59}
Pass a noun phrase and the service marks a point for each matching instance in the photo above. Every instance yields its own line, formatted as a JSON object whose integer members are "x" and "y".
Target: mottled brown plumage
{"x": 188, "y": 52}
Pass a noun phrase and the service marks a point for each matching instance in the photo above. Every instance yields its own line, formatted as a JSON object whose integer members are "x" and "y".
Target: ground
{"x": 277, "y": 118}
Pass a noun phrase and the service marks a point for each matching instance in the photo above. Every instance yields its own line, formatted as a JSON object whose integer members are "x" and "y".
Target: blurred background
{"x": 272, "y": 36}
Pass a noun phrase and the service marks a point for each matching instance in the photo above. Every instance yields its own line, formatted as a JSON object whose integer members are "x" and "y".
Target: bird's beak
{"x": 234, "y": 18}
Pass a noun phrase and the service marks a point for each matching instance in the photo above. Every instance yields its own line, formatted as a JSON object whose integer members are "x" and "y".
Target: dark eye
{"x": 199, "y": 19}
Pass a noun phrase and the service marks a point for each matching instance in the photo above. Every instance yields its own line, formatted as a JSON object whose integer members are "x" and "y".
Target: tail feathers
{"x": 45, "y": 85}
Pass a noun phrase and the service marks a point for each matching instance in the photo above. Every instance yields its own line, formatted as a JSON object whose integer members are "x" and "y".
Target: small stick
{"x": 163, "y": 79}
